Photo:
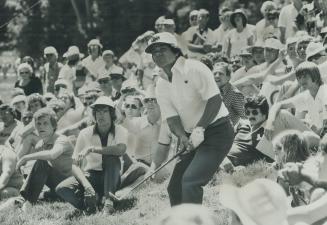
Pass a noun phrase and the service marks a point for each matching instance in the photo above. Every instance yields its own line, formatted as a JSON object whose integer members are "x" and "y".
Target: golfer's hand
{"x": 84, "y": 153}
{"x": 197, "y": 137}
{"x": 20, "y": 163}
{"x": 184, "y": 144}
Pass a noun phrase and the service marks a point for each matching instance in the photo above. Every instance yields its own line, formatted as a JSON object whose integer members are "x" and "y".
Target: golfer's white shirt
{"x": 186, "y": 96}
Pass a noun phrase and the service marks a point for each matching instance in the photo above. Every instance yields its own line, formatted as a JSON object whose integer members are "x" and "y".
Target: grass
{"x": 151, "y": 201}
{"x": 152, "y": 198}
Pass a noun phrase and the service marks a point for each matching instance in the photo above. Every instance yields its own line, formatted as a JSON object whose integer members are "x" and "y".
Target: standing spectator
{"x": 286, "y": 22}
{"x": 224, "y": 27}
{"x": 267, "y": 27}
{"x": 28, "y": 82}
{"x": 94, "y": 61}
{"x": 232, "y": 97}
{"x": 193, "y": 20}
{"x": 240, "y": 36}
{"x": 202, "y": 37}
{"x": 52, "y": 68}
{"x": 109, "y": 65}
{"x": 190, "y": 101}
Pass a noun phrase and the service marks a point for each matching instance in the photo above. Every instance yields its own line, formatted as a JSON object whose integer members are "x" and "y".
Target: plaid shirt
{"x": 234, "y": 101}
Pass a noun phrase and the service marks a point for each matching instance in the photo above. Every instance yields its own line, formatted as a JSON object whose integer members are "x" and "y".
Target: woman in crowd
{"x": 28, "y": 82}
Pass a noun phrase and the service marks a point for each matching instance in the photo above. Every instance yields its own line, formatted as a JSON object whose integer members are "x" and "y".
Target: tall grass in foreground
{"x": 152, "y": 200}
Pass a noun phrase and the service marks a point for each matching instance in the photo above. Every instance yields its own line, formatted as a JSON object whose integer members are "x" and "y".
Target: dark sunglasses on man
{"x": 254, "y": 112}
{"x": 131, "y": 106}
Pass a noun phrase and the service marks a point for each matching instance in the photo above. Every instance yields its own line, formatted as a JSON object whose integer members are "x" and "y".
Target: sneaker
{"x": 108, "y": 207}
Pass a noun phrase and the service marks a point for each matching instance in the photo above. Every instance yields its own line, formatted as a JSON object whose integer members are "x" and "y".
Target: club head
{"x": 114, "y": 198}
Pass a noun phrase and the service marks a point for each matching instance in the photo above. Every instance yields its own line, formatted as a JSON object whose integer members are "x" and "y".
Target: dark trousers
{"x": 103, "y": 182}
{"x": 196, "y": 169}
{"x": 41, "y": 174}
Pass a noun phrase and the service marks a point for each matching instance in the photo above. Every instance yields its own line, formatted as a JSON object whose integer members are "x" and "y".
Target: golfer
{"x": 190, "y": 101}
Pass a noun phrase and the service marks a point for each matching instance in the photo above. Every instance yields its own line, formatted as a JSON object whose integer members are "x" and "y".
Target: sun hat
{"x": 108, "y": 52}
{"x": 161, "y": 38}
{"x": 260, "y": 202}
{"x": 246, "y": 51}
{"x": 103, "y": 100}
{"x": 194, "y": 13}
{"x": 240, "y": 12}
{"x": 74, "y": 50}
{"x": 94, "y": 42}
{"x": 273, "y": 43}
{"x": 18, "y": 98}
{"x": 313, "y": 49}
{"x": 50, "y": 50}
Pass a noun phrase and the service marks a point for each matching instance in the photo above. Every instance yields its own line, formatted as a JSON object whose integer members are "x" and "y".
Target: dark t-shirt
{"x": 34, "y": 86}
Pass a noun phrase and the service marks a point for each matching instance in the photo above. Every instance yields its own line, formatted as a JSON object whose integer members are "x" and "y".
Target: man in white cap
{"x": 286, "y": 22}
{"x": 109, "y": 65}
{"x": 202, "y": 38}
{"x": 190, "y": 101}
{"x": 52, "y": 68}
{"x": 117, "y": 78}
{"x": 94, "y": 61}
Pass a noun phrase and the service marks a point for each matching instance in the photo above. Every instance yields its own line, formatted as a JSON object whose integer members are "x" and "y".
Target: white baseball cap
{"x": 103, "y": 100}
{"x": 108, "y": 52}
{"x": 260, "y": 202}
{"x": 161, "y": 38}
{"x": 314, "y": 48}
{"x": 273, "y": 43}
{"x": 50, "y": 50}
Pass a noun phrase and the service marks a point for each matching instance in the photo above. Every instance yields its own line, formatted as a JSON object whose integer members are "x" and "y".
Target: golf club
{"x": 124, "y": 195}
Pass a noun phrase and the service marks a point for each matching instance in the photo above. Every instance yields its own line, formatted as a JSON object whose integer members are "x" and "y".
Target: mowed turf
{"x": 142, "y": 208}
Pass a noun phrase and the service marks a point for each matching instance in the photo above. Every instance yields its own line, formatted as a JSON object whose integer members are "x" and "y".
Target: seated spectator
{"x": 94, "y": 61}
{"x": 19, "y": 104}
{"x": 28, "y": 82}
{"x": 232, "y": 97}
{"x": 10, "y": 180}
{"x": 53, "y": 157}
{"x": 251, "y": 142}
{"x": 188, "y": 214}
{"x": 96, "y": 168}
{"x": 105, "y": 84}
{"x": 258, "y": 53}
{"x": 235, "y": 62}
{"x": 310, "y": 103}
{"x": 261, "y": 202}
{"x": 7, "y": 116}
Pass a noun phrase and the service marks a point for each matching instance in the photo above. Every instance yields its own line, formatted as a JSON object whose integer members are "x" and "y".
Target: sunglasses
{"x": 104, "y": 81}
{"x": 132, "y": 106}
{"x": 24, "y": 72}
{"x": 128, "y": 90}
{"x": 150, "y": 100}
{"x": 254, "y": 112}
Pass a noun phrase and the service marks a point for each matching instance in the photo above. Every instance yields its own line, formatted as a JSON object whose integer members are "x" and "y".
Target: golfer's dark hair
{"x": 258, "y": 102}
{"x": 44, "y": 112}
{"x": 309, "y": 69}
{"x": 34, "y": 98}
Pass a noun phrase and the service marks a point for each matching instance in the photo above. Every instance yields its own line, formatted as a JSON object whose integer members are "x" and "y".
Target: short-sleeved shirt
{"x": 247, "y": 90}
{"x": 238, "y": 40}
{"x": 263, "y": 31}
{"x": 146, "y": 136}
{"x": 287, "y": 18}
{"x": 63, "y": 163}
{"x": 316, "y": 108}
{"x": 93, "y": 65}
{"x": 186, "y": 96}
{"x": 88, "y": 137}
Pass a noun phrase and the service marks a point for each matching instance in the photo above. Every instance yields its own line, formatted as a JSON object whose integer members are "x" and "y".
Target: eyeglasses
{"x": 103, "y": 81}
{"x": 24, "y": 72}
{"x": 132, "y": 106}
{"x": 150, "y": 100}
{"x": 254, "y": 112}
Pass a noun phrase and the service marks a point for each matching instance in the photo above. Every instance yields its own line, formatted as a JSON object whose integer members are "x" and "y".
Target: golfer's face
{"x": 163, "y": 55}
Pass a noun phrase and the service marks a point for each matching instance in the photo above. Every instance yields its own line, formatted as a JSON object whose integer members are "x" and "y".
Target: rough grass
{"x": 151, "y": 198}
{"x": 151, "y": 201}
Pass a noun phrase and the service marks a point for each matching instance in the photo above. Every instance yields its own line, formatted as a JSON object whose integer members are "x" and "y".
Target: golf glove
{"x": 197, "y": 136}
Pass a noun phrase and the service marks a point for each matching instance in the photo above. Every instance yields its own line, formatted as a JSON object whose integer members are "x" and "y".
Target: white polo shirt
{"x": 186, "y": 96}
{"x": 316, "y": 107}
{"x": 88, "y": 138}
